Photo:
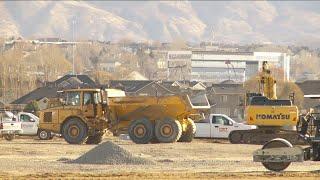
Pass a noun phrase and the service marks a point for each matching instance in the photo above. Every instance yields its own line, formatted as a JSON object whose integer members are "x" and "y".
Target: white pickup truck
{"x": 219, "y": 126}
{"x": 9, "y": 127}
{"x": 27, "y": 124}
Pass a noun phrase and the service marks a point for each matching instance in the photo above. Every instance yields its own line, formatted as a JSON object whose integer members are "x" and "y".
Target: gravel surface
{"x": 29, "y": 158}
{"x": 110, "y": 153}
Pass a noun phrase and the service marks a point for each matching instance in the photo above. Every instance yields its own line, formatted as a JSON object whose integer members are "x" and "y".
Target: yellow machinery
{"x": 164, "y": 119}
{"x": 85, "y": 114}
{"x": 80, "y": 118}
{"x": 270, "y": 115}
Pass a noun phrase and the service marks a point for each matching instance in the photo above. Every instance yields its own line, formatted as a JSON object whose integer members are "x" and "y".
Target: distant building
{"x": 310, "y": 87}
{"x": 218, "y": 66}
{"x": 227, "y": 98}
{"x": 134, "y": 75}
{"x": 213, "y": 66}
{"x": 179, "y": 65}
{"x": 280, "y": 60}
{"x": 51, "y": 88}
{"x": 108, "y": 66}
{"x": 143, "y": 87}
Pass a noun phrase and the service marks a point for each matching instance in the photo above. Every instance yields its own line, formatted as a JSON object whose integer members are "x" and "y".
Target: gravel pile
{"x": 110, "y": 153}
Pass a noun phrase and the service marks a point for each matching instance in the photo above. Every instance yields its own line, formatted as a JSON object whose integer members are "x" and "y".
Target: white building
{"x": 280, "y": 60}
{"x": 218, "y": 66}
{"x": 108, "y": 66}
{"x": 179, "y": 65}
{"x": 213, "y": 66}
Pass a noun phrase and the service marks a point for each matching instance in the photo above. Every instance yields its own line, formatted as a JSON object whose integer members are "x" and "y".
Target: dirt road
{"x": 200, "y": 159}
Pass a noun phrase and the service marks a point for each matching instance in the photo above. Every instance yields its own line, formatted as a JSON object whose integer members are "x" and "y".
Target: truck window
{"x": 25, "y": 118}
{"x": 217, "y": 120}
{"x": 97, "y": 98}
{"x": 226, "y": 121}
{"x": 73, "y": 99}
{"x": 87, "y": 98}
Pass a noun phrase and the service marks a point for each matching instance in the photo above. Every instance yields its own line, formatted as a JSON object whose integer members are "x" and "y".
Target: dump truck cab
{"x": 80, "y": 117}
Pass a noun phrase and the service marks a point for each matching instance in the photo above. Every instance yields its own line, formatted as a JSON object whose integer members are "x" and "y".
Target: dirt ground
{"x": 27, "y": 158}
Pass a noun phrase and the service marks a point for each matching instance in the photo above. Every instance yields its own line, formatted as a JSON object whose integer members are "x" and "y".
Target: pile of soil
{"x": 110, "y": 153}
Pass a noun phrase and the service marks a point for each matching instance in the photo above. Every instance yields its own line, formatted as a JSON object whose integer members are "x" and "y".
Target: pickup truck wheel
{"x": 75, "y": 131}
{"x": 168, "y": 130}
{"x": 43, "y": 135}
{"x": 141, "y": 131}
{"x": 188, "y": 135}
{"x": 8, "y": 137}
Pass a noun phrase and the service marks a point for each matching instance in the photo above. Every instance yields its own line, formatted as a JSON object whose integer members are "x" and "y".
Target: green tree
{"x": 32, "y": 107}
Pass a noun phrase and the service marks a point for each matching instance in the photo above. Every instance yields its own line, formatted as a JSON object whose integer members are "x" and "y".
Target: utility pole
{"x": 73, "y": 47}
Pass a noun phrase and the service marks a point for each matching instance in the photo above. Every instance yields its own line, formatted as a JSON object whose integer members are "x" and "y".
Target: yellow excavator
{"x": 273, "y": 117}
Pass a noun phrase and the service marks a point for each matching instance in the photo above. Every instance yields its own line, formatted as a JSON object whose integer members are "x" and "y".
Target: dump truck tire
{"x": 188, "y": 135}
{"x": 74, "y": 131}
{"x": 8, "y": 137}
{"x": 44, "y": 135}
{"x": 168, "y": 130}
{"x": 141, "y": 131}
{"x": 96, "y": 139}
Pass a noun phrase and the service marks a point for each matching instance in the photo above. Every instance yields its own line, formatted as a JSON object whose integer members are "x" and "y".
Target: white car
{"x": 27, "y": 124}
{"x": 219, "y": 126}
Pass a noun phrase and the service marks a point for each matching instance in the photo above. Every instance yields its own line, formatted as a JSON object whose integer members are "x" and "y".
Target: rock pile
{"x": 110, "y": 153}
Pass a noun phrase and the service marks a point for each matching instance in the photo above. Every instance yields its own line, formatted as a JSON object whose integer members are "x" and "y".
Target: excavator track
{"x": 262, "y": 136}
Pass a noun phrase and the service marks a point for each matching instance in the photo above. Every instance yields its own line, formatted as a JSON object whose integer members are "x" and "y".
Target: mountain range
{"x": 279, "y": 22}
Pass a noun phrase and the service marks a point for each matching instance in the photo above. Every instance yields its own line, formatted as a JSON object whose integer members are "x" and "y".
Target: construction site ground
{"x": 202, "y": 159}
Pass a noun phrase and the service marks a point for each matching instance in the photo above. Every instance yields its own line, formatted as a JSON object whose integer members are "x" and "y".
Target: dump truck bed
{"x": 122, "y": 110}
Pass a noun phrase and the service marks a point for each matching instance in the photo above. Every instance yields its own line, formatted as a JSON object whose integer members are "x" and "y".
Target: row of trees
{"x": 22, "y": 71}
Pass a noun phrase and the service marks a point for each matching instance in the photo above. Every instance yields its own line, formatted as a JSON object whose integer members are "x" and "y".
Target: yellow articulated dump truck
{"x": 163, "y": 119}
{"x": 85, "y": 115}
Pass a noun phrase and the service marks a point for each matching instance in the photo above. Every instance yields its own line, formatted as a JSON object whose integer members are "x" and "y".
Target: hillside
{"x": 232, "y": 22}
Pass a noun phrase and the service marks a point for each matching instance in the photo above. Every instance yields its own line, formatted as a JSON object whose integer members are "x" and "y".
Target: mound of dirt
{"x": 110, "y": 153}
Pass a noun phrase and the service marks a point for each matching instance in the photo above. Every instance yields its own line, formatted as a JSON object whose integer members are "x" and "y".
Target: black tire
{"x": 235, "y": 137}
{"x": 141, "y": 131}
{"x": 168, "y": 130}
{"x": 188, "y": 135}
{"x": 75, "y": 131}
{"x": 96, "y": 139}
{"x": 8, "y": 137}
{"x": 276, "y": 143}
{"x": 44, "y": 135}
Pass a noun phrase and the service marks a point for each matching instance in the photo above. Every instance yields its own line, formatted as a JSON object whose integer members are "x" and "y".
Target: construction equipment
{"x": 277, "y": 154}
{"x": 80, "y": 118}
{"x": 274, "y": 118}
{"x": 87, "y": 113}
{"x": 163, "y": 119}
